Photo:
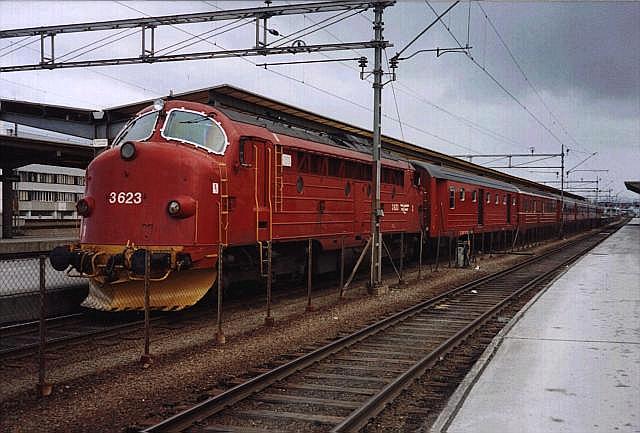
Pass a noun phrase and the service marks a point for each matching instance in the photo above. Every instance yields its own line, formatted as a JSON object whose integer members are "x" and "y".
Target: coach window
{"x": 452, "y": 198}
{"x": 504, "y": 199}
{"x": 514, "y": 202}
{"x": 474, "y": 196}
{"x": 461, "y": 194}
{"x": 488, "y": 198}
{"x": 497, "y": 198}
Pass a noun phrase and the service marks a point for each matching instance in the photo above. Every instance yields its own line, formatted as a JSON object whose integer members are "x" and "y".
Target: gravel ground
{"x": 103, "y": 388}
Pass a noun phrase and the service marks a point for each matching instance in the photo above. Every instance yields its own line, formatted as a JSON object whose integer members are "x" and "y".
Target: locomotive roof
{"x": 448, "y": 173}
{"x": 343, "y": 140}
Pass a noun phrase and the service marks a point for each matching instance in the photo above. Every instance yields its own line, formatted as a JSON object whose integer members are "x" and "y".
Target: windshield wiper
{"x": 194, "y": 121}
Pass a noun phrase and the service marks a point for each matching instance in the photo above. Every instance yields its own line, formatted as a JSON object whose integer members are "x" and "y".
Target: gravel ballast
{"x": 103, "y": 388}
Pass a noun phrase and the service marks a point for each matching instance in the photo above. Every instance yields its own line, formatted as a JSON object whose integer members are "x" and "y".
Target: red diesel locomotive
{"x": 183, "y": 179}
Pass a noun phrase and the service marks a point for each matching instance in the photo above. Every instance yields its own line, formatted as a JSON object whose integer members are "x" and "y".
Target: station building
{"x": 43, "y": 192}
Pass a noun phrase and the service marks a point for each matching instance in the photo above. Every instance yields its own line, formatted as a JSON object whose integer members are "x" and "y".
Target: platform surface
{"x": 572, "y": 361}
{"x": 33, "y": 244}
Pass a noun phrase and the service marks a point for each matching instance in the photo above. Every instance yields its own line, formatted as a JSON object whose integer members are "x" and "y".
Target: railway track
{"x": 340, "y": 387}
{"x": 21, "y": 340}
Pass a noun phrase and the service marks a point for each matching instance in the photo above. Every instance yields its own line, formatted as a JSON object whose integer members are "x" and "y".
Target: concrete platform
{"x": 570, "y": 362}
{"x": 32, "y": 244}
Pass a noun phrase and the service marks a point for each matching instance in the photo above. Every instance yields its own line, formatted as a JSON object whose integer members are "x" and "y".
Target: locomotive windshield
{"x": 195, "y": 128}
{"x": 139, "y": 129}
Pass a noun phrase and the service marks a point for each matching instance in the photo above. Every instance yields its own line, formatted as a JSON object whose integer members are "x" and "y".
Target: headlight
{"x": 158, "y": 104}
{"x": 173, "y": 208}
{"x": 128, "y": 151}
{"x": 84, "y": 206}
{"x": 181, "y": 206}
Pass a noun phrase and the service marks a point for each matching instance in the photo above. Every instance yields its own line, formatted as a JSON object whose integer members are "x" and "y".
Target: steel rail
{"x": 360, "y": 417}
{"x": 214, "y": 405}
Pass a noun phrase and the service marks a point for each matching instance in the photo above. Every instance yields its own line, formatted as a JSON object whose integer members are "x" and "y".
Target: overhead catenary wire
{"x": 496, "y": 81}
{"x": 407, "y": 90}
{"x": 395, "y": 99}
{"x": 18, "y": 48}
{"x": 438, "y": 18}
{"x": 524, "y": 75}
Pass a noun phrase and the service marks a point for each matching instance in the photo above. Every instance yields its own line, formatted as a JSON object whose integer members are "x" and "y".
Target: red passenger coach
{"x": 459, "y": 203}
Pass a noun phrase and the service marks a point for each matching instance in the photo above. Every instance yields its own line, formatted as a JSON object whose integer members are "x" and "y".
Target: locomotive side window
{"x": 139, "y": 129}
{"x": 452, "y": 198}
{"x": 336, "y": 167}
{"x": 303, "y": 162}
{"x": 195, "y": 128}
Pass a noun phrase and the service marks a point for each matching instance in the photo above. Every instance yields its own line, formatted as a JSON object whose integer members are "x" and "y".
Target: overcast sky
{"x": 581, "y": 61}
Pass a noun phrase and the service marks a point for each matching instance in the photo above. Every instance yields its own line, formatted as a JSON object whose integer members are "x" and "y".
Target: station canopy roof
{"x": 633, "y": 185}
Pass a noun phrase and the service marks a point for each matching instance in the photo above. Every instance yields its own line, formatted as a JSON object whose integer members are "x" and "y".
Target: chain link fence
{"x": 20, "y": 290}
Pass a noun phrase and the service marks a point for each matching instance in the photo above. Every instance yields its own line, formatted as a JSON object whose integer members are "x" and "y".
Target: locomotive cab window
{"x": 195, "y": 128}
{"x": 452, "y": 198}
{"x": 246, "y": 153}
{"x": 139, "y": 129}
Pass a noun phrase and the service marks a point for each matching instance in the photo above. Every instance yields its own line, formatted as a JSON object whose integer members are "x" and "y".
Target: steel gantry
{"x": 49, "y": 58}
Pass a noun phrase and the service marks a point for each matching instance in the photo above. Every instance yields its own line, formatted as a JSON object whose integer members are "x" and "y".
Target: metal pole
{"x": 309, "y": 273}
{"x": 376, "y": 211}
{"x": 342, "y": 268}
{"x": 268, "y": 321}
{"x": 220, "y": 338}
{"x": 562, "y": 190}
{"x": 420, "y": 254}
{"x": 401, "y": 279}
{"x": 146, "y": 357}
{"x": 44, "y": 388}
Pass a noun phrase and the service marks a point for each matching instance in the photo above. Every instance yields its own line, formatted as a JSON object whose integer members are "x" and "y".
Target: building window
{"x": 497, "y": 198}
{"x": 504, "y": 199}
{"x": 461, "y": 194}
{"x": 488, "y": 198}
{"x": 452, "y": 198}
{"x": 514, "y": 201}
{"x": 474, "y": 196}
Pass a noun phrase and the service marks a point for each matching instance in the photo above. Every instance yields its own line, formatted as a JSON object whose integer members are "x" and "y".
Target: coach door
{"x": 508, "y": 208}
{"x": 258, "y": 155}
{"x": 481, "y": 207}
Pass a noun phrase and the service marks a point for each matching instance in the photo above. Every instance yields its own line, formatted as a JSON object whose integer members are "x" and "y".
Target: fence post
{"x": 44, "y": 389}
{"x": 220, "y": 338}
{"x": 309, "y": 273}
{"x": 420, "y": 253}
{"x": 342, "y": 267}
{"x": 145, "y": 359}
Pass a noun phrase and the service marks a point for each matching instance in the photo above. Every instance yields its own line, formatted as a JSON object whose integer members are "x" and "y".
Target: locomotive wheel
{"x": 180, "y": 290}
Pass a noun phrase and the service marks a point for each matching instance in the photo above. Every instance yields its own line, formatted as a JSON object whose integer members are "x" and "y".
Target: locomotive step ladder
{"x": 223, "y": 220}
{"x": 264, "y": 248}
{"x": 278, "y": 193}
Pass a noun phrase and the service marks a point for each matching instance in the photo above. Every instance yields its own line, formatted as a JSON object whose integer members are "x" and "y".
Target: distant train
{"x": 183, "y": 179}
